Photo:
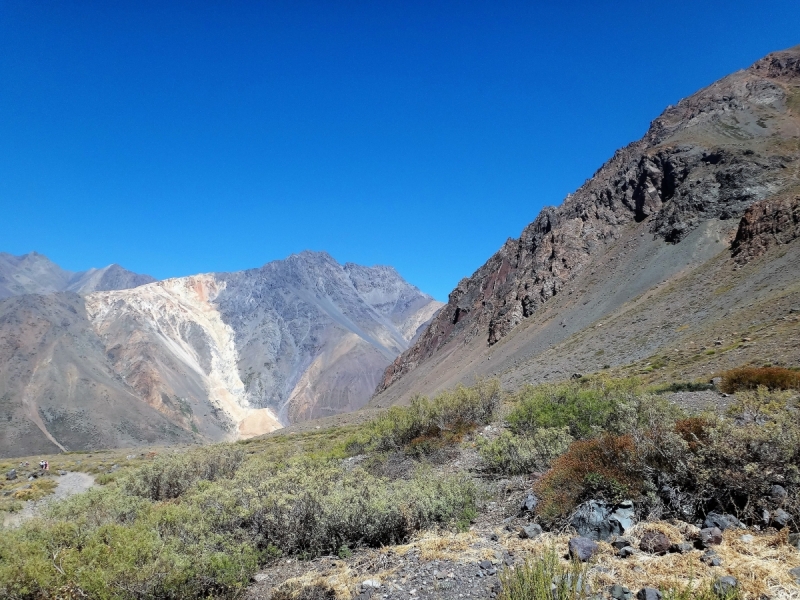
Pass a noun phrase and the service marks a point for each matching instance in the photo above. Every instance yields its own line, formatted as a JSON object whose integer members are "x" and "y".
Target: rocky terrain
{"x": 201, "y": 358}
{"x": 34, "y": 273}
{"x": 684, "y": 241}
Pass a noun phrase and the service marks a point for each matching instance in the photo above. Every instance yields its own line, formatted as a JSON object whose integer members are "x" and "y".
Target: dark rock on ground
{"x": 620, "y": 592}
{"x": 599, "y": 520}
{"x": 777, "y": 494}
{"x": 720, "y": 521}
{"x": 780, "y": 518}
{"x": 710, "y": 536}
{"x": 620, "y": 543}
{"x": 648, "y": 594}
{"x": 11, "y": 475}
{"x": 582, "y": 549}
{"x": 530, "y": 531}
{"x": 794, "y": 540}
{"x": 626, "y": 552}
{"x": 681, "y": 548}
{"x": 529, "y": 504}
{"x": 725, "y": 585}
{"x": 655, "y": 542}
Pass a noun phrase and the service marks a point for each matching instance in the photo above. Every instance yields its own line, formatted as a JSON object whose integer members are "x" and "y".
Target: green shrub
{"x": 586, "y": 406}
{"x": 171, "y": 476}
{"x": 428, "y": 424}
{"x": 534, "y": 580}
{"x": 684, "y": 386}
{"x": 749, "y": 378}
{"x": 510, "y": 454}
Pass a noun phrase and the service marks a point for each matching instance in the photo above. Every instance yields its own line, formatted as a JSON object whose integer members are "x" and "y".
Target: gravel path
{"x": 68, "y": 485}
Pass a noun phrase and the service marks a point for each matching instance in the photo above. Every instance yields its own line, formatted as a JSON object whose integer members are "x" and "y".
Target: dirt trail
{"x": 68, "y": 485}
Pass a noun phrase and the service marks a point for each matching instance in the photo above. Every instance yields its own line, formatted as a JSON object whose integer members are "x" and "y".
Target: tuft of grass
{"x": 545, "y": 577}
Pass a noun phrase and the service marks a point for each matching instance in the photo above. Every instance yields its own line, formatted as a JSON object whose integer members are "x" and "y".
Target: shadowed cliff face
{"x": 201, "y": 358}
{"x": 701, "y": 164}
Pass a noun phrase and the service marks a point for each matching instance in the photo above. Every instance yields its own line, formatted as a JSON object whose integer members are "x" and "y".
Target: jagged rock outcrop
{"x": 200, "y": 358}
{"x": 766, "y": 224}
{"x": 706, "y": 159}
{"x": 34, "y": 273}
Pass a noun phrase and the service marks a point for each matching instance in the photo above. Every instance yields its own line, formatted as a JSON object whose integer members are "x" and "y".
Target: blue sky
{"x": 183, "y": 137}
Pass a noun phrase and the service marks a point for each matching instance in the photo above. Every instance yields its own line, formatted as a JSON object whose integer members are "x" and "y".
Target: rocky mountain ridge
{"x": 703, "y": 165}
{"x": 201, "y": 358}
{"x": 34, "y": 273}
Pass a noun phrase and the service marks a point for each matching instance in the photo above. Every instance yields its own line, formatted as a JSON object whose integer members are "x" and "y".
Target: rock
{"x": 648, "y": 594}
{"x": 577, "y": 376}
{"x": 626, "y": 552}
{"x": 795, "y": 572}
{"x": 681, "y": 548}
{"x": 620, "y": 543}
{"x": 726, "y": 585}
{"x": 620, "y": 592}
{"x": 777, "y": 493}
{"x": 711, "y": 559}
{"x": 530, "y": 531}
{"x": 747, "y": 539}
{"x": 11, "y": 475}
{"x": 493, "y": 537}
{"x": 529, "y": 504}
{"x": 794, "y": 540}
{"x": 655, "y": 542}
{"x": 716, "y": 381}
{"x": 485, "y": 565}
{"x": 582, "y": 549}
{"x": 722, "y": 522}
{"x": 710, "y": 536}
{"x": 373, "y": 584}
{"x": 62, "y": 472}
{"x": 780, "y": 518}
{"x": 598, "y": 520}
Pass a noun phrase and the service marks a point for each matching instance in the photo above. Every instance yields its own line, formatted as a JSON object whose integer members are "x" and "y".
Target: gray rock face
{"x": 722, "y": 522}
{"x": 648, "y": 594}
{"x": 34, "y": 273}
{"x": 620, "y": 592}
{"x": 598, "y": 520}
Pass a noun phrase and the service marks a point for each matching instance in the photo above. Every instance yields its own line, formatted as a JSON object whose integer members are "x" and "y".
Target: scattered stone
{"x": 795, "y": 572}
{"x": 11, "y": 475}
{"x": 711, "y": 559}
{"x": 582, "y": 548}
{"x": 722, "y": 522}
{"x": 681, "y": 548}
{"x": 710, "y": 536}
{"x": 371, "y": 584}
{"x": 599, "y": 520}
{"x": 485, "y": 565}
{"x": 530, "y": 531}
{"x": 794, "y": 540}
{"x": 576, "y": 376}
{"x": 620, "y": 592}
{"x": 62, "y": 472}
{"x": 529, "y": 504}
{"x": 780, "y": 518}
{"x": 778, "y": 493}
{"x": 726, "y": 585}
{"x": 494, "y": 537}
{"x": 747, "y": 538}
{"x": 648, "y": 594}
{"x": 626, "y": 552}
{"x": 620, "y": 543}
{"x": 655, "y": 542}
{"x": 259, "y": 577}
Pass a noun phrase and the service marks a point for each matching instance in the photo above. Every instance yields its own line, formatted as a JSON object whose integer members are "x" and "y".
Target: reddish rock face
{"x": 767, "y": 223}
{"x": 710, "y": 157}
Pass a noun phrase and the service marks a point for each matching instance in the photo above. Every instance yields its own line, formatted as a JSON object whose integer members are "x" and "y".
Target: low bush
{"x": 429, "y": 424}
{"x": 684, "y": 386}
{"x": 545, "y": 578}
{"x": 511, "y": 454}
{"x": 750, "y": 378}
{"x": 587, "y": 406}
{"x": 606, "y": 467}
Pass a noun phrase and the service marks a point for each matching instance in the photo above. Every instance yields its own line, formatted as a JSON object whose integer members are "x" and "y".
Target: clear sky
{"x": 183, "y": 137}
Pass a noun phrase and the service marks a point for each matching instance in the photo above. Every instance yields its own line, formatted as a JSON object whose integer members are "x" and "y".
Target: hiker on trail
{"x": 41, "y": 465}
{"x": 47, "y": 465}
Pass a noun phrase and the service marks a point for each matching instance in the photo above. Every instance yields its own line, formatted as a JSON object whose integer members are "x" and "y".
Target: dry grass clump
{"x": 749, "y": 378}
{"x": 441, "y": 545}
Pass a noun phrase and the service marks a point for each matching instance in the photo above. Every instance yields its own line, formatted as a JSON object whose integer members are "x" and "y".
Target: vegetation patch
{"x": 749, "y": 378}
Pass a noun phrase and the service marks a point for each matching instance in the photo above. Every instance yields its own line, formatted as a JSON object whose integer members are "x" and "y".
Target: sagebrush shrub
{"x": 511, "y": 454}
{"x": 749, "y": 378}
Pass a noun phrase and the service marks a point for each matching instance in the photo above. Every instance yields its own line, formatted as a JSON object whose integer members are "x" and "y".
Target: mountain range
{"x": 194, "y": 359}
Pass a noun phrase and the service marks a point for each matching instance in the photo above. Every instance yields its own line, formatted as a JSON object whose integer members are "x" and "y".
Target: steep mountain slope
{"x": 207, "y": 357}
{"x": 34, "y": 273}
{"x": 639, "y": 259}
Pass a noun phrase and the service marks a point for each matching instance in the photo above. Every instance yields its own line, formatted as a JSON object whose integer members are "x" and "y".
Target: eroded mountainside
{"x": 34, "y": 273}
{"x": 639, "y": 259}
{"x": 200, "y": 358}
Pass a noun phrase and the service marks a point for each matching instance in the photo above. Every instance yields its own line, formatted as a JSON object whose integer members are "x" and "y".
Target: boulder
{"x": 794, "y": 540}
{"x": 777, "y": 493}
{"x": 530, "y": 531}
{"x": 648, "y": 594}
{"x": 655, "y": 542}
{"x": 626, "y": 552}
{"x": 725, "y": 586}
{"x": 620, "y": 543}
{"x": 710, "y": 536}
{"x": 620, "y": 592}
{"x": 11, "y": 475}
{"x": 529, "y": 504}
{"x": 582, "y": 549}
{"x": 373, "y": 584}
{"x": 599, "y": 520}
{"x": 681, "y": 548}
{"x": 780, "y": 518}
{"x": 720, "y": 521}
